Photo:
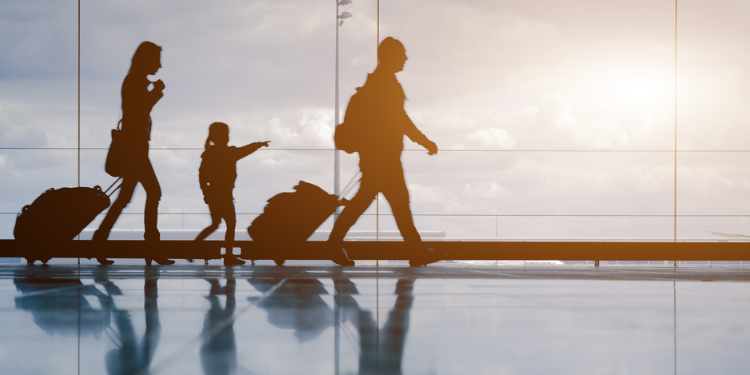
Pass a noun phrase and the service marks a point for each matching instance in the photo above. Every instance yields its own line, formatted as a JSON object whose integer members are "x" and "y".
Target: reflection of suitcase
{"x": 55, "y": 218}
{"x": 291, "y": 218}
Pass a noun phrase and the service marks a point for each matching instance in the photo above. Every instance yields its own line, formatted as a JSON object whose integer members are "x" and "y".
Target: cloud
{"x": 30, "y": 33}
{"x": 12, "y": 135}
{"x": 492, "y": 138}
{"x": 316, "y": 127}
{"x": 313, "y": 128}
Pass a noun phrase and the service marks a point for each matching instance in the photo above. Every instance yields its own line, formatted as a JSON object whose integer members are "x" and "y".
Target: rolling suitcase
{"x": 56, "y": 217}
{"x": 289, "y": 219}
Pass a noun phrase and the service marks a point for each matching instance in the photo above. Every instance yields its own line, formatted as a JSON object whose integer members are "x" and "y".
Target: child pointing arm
{"x": 249, "y": 149}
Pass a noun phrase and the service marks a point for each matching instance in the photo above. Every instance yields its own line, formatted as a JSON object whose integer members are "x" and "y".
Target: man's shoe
{"x": 341, "y": 258}
{"x": 425, "y": 256}
{"x": 233, "y": 261}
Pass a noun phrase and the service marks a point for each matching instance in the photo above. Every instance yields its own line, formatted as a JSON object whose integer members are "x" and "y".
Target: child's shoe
{"x": 233, "y": 261}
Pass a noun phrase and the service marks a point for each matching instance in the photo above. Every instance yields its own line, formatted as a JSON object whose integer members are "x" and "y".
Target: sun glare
{"x": 640, "y": 88}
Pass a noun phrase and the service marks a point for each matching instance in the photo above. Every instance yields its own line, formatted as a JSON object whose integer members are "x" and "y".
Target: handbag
{"x": 115, "y": 163}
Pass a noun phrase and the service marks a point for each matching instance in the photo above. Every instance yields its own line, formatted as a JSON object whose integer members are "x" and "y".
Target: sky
{"x": 498, "y": 85}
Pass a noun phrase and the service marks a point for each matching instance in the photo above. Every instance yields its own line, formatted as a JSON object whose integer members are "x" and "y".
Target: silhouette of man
{"x": 380, "y": 155}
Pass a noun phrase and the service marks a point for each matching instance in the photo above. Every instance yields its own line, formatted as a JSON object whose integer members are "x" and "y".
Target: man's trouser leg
{"x": 397, "y": 194}
{"x": 353, "y": 210}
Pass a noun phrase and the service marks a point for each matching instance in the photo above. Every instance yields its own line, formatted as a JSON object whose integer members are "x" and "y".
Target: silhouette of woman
{"x": 133, "y": 356}
{"x": 137, "y": 102}
{"x": 217, "y": 174}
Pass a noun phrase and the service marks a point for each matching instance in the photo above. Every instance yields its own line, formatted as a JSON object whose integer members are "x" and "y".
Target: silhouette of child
{"x": 217, "y": 174}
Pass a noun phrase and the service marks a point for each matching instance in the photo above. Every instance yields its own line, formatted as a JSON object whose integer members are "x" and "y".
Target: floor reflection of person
{"x": 296, "y": 304}
{"x": 381, "y": 350}
{"x": 59, "y": 305}
{"x": 134, "y": 356}
{"x": 137, "y": 102}
{"x": 380, "y": 156}
{"x": 219, "y": 349}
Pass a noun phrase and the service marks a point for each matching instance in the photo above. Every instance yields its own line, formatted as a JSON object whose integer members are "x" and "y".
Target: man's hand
{"x": 262, "y": 144}
{"x": 431, "y": 147}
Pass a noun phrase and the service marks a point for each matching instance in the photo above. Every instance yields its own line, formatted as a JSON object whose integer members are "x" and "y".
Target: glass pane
{"x": 712, "y": 50}
{"x": 38, "y": 74}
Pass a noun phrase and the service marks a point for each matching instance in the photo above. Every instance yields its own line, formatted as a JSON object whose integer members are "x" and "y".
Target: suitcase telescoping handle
{"x": 350, "y": 185}
{"x": 113, "y": 184}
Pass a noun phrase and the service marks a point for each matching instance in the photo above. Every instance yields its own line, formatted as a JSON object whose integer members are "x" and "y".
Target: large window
{"x": 555, "y": 119}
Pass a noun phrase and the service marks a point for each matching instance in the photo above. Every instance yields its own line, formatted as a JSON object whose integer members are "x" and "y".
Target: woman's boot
{"x": 100, "y": 240}
{"x": 153, "y": 249}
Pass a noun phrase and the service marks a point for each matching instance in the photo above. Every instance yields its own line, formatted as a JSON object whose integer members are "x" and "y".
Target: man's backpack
{"x": 350, "y": 135}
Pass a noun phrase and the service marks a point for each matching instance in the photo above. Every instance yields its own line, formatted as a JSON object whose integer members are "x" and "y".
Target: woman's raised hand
{"x": 159, "y": 85}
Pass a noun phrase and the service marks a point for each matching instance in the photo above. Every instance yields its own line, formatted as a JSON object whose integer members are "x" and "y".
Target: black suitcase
{"x": 55, "y": 218}
{"x": 289, "y": 219}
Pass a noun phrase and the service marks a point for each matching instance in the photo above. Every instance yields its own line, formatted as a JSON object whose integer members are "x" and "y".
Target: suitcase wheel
{"x": 44, "y": 261}
{"x": 30, "y": 261}
{"x": 279, "y": 262}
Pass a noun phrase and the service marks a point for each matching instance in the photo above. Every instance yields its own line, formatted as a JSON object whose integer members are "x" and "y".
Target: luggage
{"x": 59, "y": 305}
{"x": 289, "y": 219}
{"x": 56, "y": 217}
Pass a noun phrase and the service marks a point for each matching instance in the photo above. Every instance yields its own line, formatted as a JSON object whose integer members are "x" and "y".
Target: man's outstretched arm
{"x": 417, "y": 136}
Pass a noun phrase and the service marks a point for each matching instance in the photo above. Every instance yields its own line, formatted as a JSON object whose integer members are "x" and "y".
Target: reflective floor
{"x": 189, "y": 319}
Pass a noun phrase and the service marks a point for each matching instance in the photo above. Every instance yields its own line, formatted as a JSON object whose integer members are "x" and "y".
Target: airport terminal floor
{"x": 312, "y": 318}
